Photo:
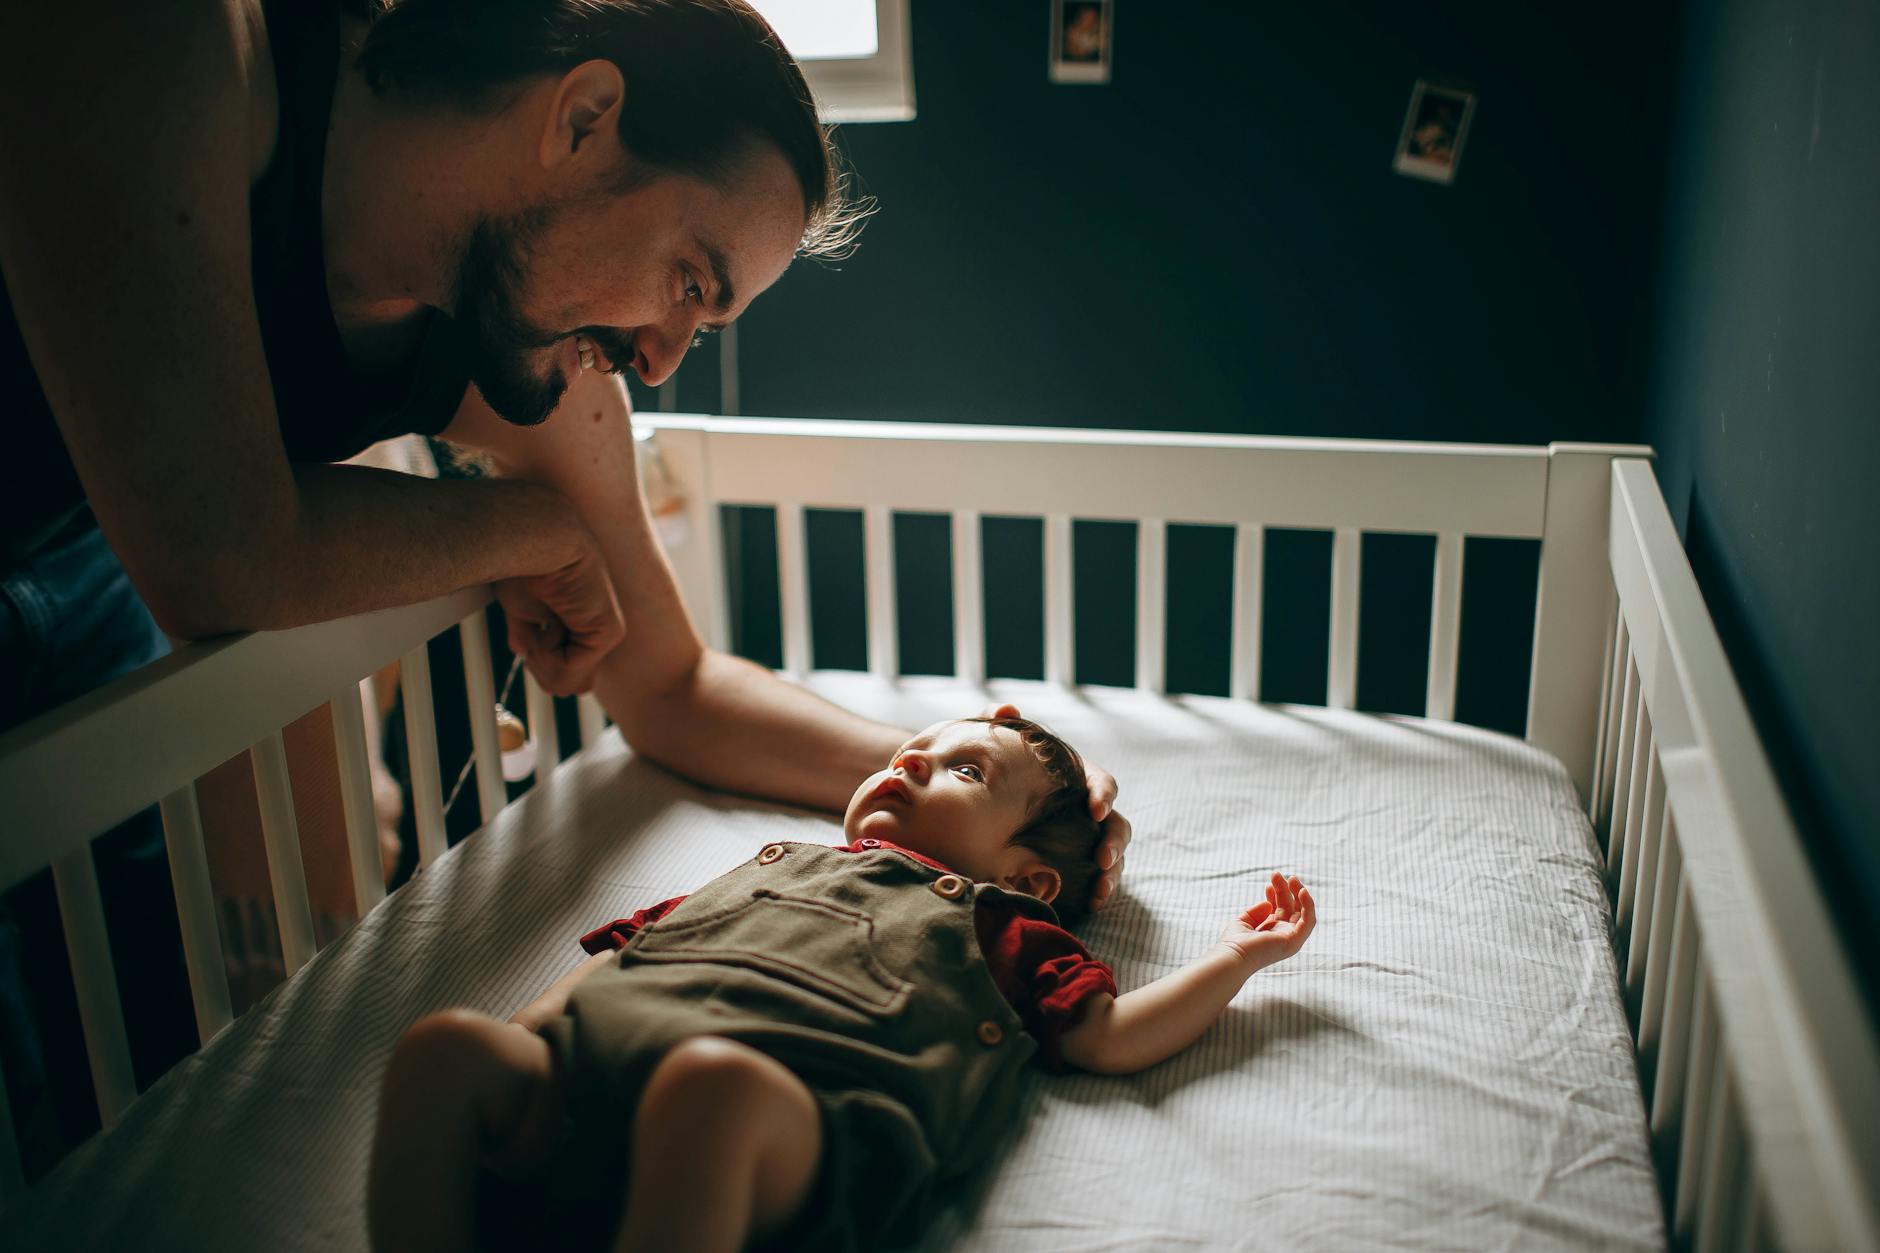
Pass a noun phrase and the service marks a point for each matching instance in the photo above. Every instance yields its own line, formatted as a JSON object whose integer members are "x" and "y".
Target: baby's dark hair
{"x": 1059, "y": 828}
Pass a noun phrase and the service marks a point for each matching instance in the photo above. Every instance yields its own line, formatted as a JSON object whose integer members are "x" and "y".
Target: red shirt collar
{"x": 864, "y": 846}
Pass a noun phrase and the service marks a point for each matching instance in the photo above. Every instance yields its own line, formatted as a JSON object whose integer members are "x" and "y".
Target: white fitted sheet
{"x": 1445, "y": 1065}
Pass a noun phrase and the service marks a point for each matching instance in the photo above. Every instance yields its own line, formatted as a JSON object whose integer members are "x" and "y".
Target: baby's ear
{"x": 1035, "y": 879}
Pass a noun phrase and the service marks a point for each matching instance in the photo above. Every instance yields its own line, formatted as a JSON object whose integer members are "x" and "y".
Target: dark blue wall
{"x": 1216, "y": 241}
{"x": 1765, "y": 396}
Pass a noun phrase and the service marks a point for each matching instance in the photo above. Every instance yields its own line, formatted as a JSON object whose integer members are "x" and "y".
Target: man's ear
{"x": 584, "y": 107}
{"x": 1035, "y": 879}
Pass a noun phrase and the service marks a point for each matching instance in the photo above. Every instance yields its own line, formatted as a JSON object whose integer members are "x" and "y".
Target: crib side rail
{"x": 79, "y": 770}
{"x": 1758, "y": 1061}
{"x": 1555, "y": 494}
{"x": 93, "y": 762}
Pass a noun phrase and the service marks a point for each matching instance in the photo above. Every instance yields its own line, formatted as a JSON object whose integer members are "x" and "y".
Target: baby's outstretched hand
{"x": 1274, "y": 929}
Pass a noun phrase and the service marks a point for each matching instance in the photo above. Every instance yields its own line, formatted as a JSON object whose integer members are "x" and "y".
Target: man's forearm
{"x": 733, "y": 725}
{"x": 710, "y": 717}
{"x": 361, "y": 539}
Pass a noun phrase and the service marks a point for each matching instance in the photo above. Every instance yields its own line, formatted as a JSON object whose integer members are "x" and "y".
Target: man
{"x": 244, "y": 239}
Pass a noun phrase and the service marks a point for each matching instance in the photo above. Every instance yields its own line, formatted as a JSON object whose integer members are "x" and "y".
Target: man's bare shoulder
{"x": 175, "y": 66}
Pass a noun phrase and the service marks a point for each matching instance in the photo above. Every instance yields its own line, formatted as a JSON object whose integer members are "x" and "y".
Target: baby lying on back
{"x": 803, "y": 1050}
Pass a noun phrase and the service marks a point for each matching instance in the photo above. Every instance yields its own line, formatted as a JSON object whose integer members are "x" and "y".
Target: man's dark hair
{"x": 707, "y": 82}
{"x": 1059, "y": 828}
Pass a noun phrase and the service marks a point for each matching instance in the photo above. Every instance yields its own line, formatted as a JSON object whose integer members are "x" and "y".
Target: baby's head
{"x": 1001, "y": 800}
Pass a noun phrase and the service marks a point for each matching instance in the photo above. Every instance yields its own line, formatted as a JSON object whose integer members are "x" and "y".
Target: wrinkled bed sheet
{"x": 1445, "y": 1065}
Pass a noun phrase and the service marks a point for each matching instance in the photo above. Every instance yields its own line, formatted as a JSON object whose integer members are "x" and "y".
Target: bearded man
{"x": 242, "y": 240}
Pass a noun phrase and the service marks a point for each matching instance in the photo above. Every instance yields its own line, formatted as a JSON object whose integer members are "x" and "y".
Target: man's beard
{"x": 498, "y": 340}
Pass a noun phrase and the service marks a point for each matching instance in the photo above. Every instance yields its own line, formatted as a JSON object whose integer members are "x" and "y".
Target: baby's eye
{"x": 971, "y": 772}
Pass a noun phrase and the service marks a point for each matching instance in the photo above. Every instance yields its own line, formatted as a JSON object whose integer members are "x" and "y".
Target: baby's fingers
{"x": 1258, "y": 915}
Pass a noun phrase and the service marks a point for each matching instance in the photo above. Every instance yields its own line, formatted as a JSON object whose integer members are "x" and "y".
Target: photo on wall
{"x": 1434, "y": 129}
{"x": 1080, "y": 41}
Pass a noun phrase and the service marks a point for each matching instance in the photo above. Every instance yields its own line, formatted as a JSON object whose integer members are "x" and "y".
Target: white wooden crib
{"x": 1756, "y": 1059}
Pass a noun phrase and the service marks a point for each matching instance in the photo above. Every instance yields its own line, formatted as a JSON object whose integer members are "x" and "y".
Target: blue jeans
{"x": 70, "y": 621}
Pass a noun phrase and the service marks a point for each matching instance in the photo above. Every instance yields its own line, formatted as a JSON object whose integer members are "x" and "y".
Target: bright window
{"x": 853, "y": 52}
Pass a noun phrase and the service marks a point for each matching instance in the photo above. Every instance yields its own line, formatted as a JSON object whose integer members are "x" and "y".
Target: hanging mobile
{"x": 517, "y": 746}
{"x": 512, "y": 741}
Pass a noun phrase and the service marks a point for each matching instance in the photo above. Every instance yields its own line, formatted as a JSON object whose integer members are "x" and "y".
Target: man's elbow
{"x": 218, "y": 594}
{"x": 658, "y": 716}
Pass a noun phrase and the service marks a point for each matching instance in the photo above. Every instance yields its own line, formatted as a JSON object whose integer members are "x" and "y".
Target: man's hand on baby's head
{"x": 1115, "y": 828}
{"x": 1274, "y": 929}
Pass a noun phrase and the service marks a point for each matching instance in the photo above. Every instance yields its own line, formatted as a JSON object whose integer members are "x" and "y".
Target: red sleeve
{"x": 1046, "y": 975}
{"x": 616, "y": 933}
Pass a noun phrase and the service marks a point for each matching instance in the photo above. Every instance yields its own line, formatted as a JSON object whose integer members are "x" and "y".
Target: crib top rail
{"x": 1375, "y": 485}
{"x": 95, "y": 761}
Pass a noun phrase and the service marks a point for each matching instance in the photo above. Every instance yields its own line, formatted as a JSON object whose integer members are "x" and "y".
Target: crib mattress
{"x": 1445, "y": 1065}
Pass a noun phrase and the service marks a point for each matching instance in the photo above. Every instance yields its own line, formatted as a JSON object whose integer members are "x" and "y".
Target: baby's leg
{"x": 725, "y": 1147}
{"x": 462, "y": 1091}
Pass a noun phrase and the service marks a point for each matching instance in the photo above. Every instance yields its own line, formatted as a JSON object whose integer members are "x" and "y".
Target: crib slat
{"x": 1665, "y": 894}
{"x": 969, "y": 645}
{"x": 107, "y": 1048}
{"x": 884, "y": 661}
{"x": 1719, "y": 1188}
{"x": 480, "y": 696}
{"x": 427, "y": 797}
{"x": 1674, "y": 1053}
{"x": 1699, "y": 1114}
{"x": 544, "y": 728}
{"x": 280, "y": 835}
{"x": 355, "y": 796}
{"x": 1645, "y": 782}
{"x": 1625, "y": 834}
{"x": 1151, "y": 604}
{"x": 792, "y": 588}
{"x": 1341, "y": 681}
{"x": 12, "y": 1171}
{"x": 195, "y": 912}
{"x": 592, "y": 718}
{"x": 1060, "y": 659}
{"x": 1249, "y": 579}
{"x": 1645, "y": 881}
{"x": 1622, "y": 763}
{"x": 1609, "y": 720}
{"x": 1439, "y": 700}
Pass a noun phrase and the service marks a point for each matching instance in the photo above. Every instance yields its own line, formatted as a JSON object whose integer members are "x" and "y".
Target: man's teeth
{"x": 586, "y": 349}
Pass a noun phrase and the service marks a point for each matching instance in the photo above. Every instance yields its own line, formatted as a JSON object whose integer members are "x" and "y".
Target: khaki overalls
{"x": 861, "y": 972}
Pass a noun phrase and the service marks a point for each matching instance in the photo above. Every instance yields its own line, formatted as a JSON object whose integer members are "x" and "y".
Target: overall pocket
{"x": 818, "y": 946}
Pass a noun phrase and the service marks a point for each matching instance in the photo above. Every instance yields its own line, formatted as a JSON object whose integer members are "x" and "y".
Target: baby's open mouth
{"x": 891, "y": 788}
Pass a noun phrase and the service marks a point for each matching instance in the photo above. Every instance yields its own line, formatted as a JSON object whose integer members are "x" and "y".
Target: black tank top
{"x": 327, "y": 411}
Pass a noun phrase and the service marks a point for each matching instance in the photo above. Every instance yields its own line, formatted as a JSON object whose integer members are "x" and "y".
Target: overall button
{"x": 871, "y": 843}
{"x": 990, "y": 1032}
{"x": 771, "y": 853}
{"x": 949, "y": 886}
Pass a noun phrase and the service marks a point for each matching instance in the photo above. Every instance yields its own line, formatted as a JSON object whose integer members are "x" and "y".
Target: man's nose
{"x": 659, "y": 353}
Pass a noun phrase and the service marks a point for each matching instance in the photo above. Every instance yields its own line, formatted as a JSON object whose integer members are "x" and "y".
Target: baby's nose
{"x": 912, "y": 764}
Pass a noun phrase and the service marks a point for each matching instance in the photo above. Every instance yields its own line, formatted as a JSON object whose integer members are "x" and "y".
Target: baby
{"x": 799, "y": 1053}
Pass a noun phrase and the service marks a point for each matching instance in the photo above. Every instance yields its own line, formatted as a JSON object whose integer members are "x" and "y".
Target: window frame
{"x": 879, "y": 88}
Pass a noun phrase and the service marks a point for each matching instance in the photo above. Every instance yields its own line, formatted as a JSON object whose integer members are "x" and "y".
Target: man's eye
{"x": 972, "y": 772}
